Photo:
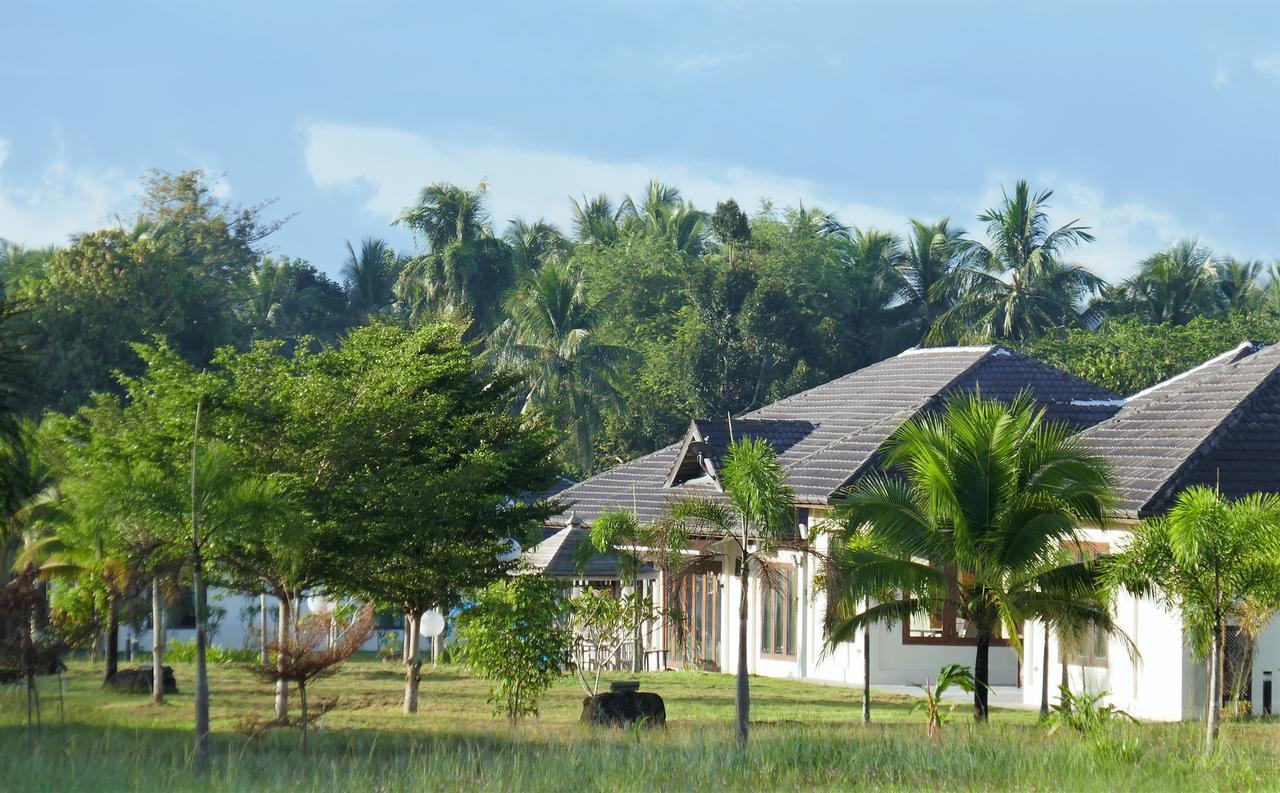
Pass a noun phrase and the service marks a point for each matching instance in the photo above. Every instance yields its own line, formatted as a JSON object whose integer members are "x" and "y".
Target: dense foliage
{"x": 646, "y": 312}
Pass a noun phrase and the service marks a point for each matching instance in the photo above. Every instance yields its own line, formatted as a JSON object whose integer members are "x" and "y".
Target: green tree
{"x": 987, "y": 496}
{"x": 595, "y": 221}
{"x": 1174, "y": 286}
{"x": 1241, "y": 284}
{"x": 413, "y": 467}
{"x": 550, "y": 338}
{"x": 465, "y": 270}
{"x": 514, "y": 636}
{"x": 289, "y": 298}
{"x": 661, "y": 212}
{"x": 1128, "y": 354}
{"x": 1016, "y": 286}
{"x": 534, "y": 244}
{"x": 1209, "y": 558}
{"x": 179, "y": 271}
{"x": 757, "y": 518}
{"x": 370, "y": 278}
{"x": 924, "y": 273}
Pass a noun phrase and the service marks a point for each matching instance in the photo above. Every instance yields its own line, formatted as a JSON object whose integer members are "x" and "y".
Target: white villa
{"x": 1218, "y": 423}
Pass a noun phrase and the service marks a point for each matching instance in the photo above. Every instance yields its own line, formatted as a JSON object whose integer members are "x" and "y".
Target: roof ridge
{"x": 910, "y": 413}
{"x": 1225, "y": 357}
{"x": 1213, "y": 437}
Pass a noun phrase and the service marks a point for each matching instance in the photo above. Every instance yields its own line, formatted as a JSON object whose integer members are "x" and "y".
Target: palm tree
{"x": 661, "y": 212}
{"x": 595, "y": 221}
{"x": 465, "y": 270}
{"x": 1240, "y": 283}
{"x": 1016, "y": 285}
{"x": 924, "y": 272}
{"x": 1210, "y": 558}
{"x": 286, "y": 298}
{"x": 370, "y": 277}
{"x": 533, "y": 244}
{"x": 549, "y": 336}
{"x": 1175, "y": 285}
{"x": 970, "y": 521}
{"x": 758, "y": 519}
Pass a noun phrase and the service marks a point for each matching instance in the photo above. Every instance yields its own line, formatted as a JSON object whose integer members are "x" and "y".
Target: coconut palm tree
{"x": 595, "y": 221}
{"x": 662, "y": 212}
{"x": 1240, "y": 283}
{"x": 757, "y": 519}
{"x": 286, "y": 298}
{"x": 465, "y": 270}
{"x": 924, "y": 272}
{"x": 1016, "y": 286}
{"x": 533, "y": 244}
{"x": 1175, "y": 285}
{"x": 1209, "y": 558}
{"x": 549, "y": 336}
{"x": 370, "y": 278}
{"x": 970, "y": 519}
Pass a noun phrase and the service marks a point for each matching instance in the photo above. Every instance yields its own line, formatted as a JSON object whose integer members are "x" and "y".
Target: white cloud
{"x": 62, "y": 200}
{"x": 1268, "y": 65}
{"x": 1220, "y": 77}
{"x": 703, "y": 61}
{"x": 390, "y": 166}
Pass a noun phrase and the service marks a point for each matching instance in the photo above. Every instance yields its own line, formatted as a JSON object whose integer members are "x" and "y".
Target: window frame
{"x": 950, "y": 636}
{"x": 1093, "y": 650}
{"x": 769, "y": 631}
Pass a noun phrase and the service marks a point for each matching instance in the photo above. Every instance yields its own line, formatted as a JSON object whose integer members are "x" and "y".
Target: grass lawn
{"x": 804, "y": 737}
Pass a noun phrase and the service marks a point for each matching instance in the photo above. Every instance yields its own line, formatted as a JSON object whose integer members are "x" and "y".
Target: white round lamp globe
{"x": 319, "y": 604}
{"x": 432, "y": 624}
{"x": 510, "y": 551}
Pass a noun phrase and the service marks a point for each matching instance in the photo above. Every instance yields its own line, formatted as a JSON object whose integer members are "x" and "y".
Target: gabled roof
{"x": 1216, "y": 424}
{"x": 828, "y": 435}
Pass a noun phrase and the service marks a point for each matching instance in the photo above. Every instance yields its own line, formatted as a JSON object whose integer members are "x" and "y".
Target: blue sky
{"x": 1151, "y": 120}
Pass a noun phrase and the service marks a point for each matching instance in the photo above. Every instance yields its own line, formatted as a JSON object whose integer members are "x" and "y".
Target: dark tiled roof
{"x": 826, "y": 436}
{"x": 554, "y": 556}
{"x": 1216, "y": 424}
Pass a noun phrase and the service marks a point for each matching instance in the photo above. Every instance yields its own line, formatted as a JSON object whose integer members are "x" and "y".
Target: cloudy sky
{"x": 1150, "y": 120}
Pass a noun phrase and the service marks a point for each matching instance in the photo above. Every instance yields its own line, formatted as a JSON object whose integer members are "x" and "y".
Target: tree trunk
{"x": 262, "y": 613}
{"x": 302, "y": 705}
{"x": 113, "y": 637}
{"x": 1044, "y": 675}
{"x": 413, "y": 667}
{"x": 1214, "y": 695}
{"x": 743, "y": 699}
{"x": 981, "y": 672}
{"x": 202, "y": 670}
{"x": 282, "y": 636}
{"x": 157, "y": 642}
{"x": 637, "y": 650}
{"x": 866, "y": 672}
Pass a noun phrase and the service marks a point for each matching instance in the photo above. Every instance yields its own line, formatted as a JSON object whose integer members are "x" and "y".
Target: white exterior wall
{"x": 237, "y": 628}
{"x": 1164, "y": 682}
{"x": 892, "y": 661}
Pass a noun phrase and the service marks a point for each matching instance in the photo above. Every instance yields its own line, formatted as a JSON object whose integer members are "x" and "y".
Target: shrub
{"x": 181, "y": 652}
{"x": 1082, "y": 712}
{"x": 514, "y": 637}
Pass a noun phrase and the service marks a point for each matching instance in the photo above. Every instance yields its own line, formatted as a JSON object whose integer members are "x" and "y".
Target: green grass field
{"x": 804, "y": 737}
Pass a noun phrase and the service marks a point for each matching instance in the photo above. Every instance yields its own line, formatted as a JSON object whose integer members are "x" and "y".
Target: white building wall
{"x": 1164, "y": 682}
{"x": 239, "y": 627}
{"x": 893, "y": 662}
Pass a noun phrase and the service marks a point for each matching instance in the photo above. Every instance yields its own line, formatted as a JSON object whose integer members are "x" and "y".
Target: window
{"x": 695, "y": 642}
{"x": 945, "y": 626}
{"x": 779, "y": 613}
{"x": 1090, "y": 649}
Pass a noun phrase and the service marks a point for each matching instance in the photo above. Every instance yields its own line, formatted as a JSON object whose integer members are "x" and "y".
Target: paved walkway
{"x": 1001, "y": 696}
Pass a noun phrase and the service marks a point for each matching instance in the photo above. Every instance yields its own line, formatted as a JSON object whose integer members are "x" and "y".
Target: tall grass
{"x": 113, "y": 743}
